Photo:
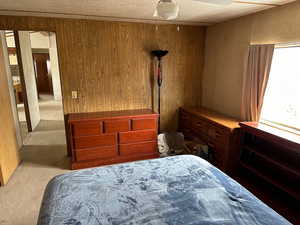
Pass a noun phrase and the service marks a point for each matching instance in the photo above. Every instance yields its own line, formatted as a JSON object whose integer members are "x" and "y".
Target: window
{"x": 282, "y": 98}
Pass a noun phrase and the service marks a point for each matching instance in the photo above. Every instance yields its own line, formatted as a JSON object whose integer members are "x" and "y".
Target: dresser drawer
{"x": 86, "y": 128}
{"x": 217, "y": 134}
{"x": 96, "y": 153}
{"x": 144, "y": 124}
{"x": 184, "y": 115}
{"x": 113, "y": 126}
{"x": 199, "y": 125}
{"x": 138, "y": 148}
{"x": 94, "y": 141}
{"x": 137, "y": 136}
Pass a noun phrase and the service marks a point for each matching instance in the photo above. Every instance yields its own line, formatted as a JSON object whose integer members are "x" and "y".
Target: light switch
{"x": 74, "y": 95}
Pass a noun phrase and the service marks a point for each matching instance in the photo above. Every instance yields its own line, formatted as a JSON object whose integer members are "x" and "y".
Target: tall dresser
{"x": 219, "y": 132}
{"x": 103, "y": 138}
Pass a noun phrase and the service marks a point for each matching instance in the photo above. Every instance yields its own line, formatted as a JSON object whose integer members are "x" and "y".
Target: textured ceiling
{"x": 191, "y": 11}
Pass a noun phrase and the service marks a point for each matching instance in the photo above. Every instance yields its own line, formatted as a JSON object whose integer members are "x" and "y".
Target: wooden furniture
{"x": 273, "y": 155}
{"x": 219, "y": 132}
{"x": 112, "y": 137}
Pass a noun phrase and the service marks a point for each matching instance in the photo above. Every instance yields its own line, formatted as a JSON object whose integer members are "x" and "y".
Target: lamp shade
{"x": 159, "y": 53}
{"x": 167, "y": 9}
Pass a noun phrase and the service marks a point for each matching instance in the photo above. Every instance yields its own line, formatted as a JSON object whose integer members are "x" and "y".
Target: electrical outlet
{"x": 74, "y": 95}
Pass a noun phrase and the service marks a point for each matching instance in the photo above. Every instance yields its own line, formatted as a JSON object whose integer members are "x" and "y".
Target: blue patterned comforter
{"x": 180, "y": 190}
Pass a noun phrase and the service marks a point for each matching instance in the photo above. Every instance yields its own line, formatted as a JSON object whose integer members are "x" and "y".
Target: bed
{"x": 179, "y": 190}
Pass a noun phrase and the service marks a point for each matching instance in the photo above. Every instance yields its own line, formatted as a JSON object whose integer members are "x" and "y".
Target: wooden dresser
{"x": 103, "y": 138}
{"x": 219, "y": 132}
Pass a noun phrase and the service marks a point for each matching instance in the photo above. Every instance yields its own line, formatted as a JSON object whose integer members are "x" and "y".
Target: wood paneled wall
{"x": 9, "y": 149}
{"x": 110, "y": 65}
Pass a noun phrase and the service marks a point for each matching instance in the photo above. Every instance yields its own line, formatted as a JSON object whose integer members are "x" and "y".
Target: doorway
{"x": 33, "y": 111}
{"x": 35, "y": 80}
{"x": 43, "y": 76}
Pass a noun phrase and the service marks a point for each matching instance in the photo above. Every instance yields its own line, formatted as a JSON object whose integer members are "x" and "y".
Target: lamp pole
{"x": 159, "y": 54}
{"x": 159, "y": 81}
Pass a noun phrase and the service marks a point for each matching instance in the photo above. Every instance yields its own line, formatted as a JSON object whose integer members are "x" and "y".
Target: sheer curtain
{"x": 255, "y": 80}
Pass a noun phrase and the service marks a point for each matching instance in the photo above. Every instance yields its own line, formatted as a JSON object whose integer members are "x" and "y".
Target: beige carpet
{"x": 49, "y": 110}
{"x": 43, "y": 157}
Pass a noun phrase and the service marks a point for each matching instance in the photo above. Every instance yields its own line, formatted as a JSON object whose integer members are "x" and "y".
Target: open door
{"x": 28, "y": 78}
{"x": 9, "y": 148}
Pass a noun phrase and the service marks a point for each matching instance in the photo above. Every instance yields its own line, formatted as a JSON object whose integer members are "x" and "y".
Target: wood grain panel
{"x": 87, "y": 128}
{"x": 138, "y": 148}
{"x": 137, "y": 136}
{"x": 110, "y": 65}
{"x": 9, "y": 151}
{"x": 142, "y": 124}
{"x": 113, "y": 126}
{"x": 92, "y": 141}
{"x": 96, "y": 153}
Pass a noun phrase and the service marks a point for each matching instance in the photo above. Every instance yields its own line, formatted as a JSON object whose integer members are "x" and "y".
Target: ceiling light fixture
{"x": 167, "y": 9}
{"x": 216, "y": 2}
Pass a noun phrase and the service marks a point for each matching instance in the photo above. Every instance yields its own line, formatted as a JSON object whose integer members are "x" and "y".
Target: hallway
{"x": 50, "y": 111}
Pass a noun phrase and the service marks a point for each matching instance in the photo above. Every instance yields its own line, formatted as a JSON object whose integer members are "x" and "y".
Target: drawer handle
{"x": 199, "y": 124}
{"x": 210, "y": 144}
{"x": 218, "y": 134}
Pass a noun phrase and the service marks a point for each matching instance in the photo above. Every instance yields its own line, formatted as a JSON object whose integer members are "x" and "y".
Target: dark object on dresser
{"x": 103, "y": 138}
{"x": 272, "y": 155}
{"x": 219, "y": 132}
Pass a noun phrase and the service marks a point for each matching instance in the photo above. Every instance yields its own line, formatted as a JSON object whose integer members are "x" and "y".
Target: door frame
{"x": 22, "y": 80}
{"x": 32, "y": 28}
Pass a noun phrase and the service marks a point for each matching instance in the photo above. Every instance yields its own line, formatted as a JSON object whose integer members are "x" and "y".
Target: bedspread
{"x": 179, "y": 190}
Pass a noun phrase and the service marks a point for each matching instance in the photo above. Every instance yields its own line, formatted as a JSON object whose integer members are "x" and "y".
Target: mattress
{"x": 179, "y": 190}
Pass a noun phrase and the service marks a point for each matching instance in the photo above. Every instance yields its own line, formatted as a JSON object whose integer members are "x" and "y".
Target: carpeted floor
{"x": 43, "y": 157}
{"x": 50, "y": 110}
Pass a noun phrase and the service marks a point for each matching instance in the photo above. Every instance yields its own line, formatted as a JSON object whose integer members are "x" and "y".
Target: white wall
{"x": 40, "y": 39}
{"x": 47, "y": 40}
{"x": 30, "y": 80}
{"x": 43, "y": 40}
{"x": 37, "y": 40}
{"x": 54, "y": 67}
{"x": 10, "y": 41}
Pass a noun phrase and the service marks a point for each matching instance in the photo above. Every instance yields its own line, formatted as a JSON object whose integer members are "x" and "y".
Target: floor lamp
{"x": 159, "y": 54}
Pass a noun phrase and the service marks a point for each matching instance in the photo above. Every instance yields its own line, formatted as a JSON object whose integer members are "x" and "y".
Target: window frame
{"x": 275, "y": 124}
